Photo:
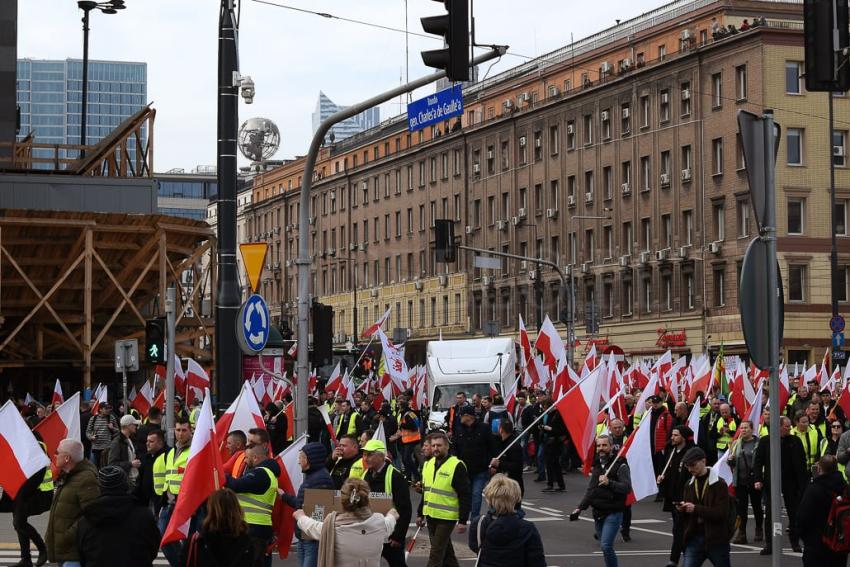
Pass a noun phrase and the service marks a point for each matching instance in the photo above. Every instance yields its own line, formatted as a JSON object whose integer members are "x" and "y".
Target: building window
{"x": 686, "y": 98}
{"x": 538, "y": 145}
{"x": 719, "y": 221}
{"x": 717, "y": 156}
{"x": 688, "y": 228}
{"x": 626, "y": 174}
{"x": 626, "y": 118}
{"x": 839, "y": 148}
{"x": 588, "y": 129}
{"x": 457, "y": 207}
{"x": 457, "y": 308}
{"x": 664, "y": 106}
{"x": 667, "y": 292}
{"x": 665, "y": 167}
{"x": 662, "y": 52}
{"x": 606, "y": 123}
{"x": 841, "y": 284}
{"x": 554, "y": 190}
{"x": 589, "y": 245}
{"x": 796, "y": 282}
{"x": 588, "y": 186}
{"x": 476, "y": 214}
{"x": 627, "y": 238}
{"x": 505, "y": 155}
{"x": 716, "y": 90}
{"x": 667, "y": 227}
{"x": 794, "y": 145}
{"x": 743, "y": 218}
{"x": 608, "y": 241}
{"x": 491, "y": 159}
{"x": 841, "y": 218}
{"x": 645, "y": 235}
{"x": 796, "y": 215}
{"x": 538, "y": 199}
{"x": 647, "y": 295}
{"x": 689, "y": 290}
{"x": 719, "y": 291}
{"x": 793, "y": 74}
{"x": 523, "y": 150}
{"x": 571, "y": 188}
{"x": 422, "y": 173}
{"x": 628, "y": 299}
{"x": 608, "y": 182}
{"x": 571, "y": 135}
{"x": 644, "y": 111}
{"x": 608, "y": 291}
{"x": 645, "y": 172}
{"x": 741, "y": 82}
{"x": 554, "y": 140}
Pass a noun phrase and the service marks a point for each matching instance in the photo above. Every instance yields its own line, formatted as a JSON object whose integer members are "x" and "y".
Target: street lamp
{"x": 110, "y": 7}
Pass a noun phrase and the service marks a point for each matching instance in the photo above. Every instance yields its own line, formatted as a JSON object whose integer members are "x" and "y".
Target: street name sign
{"x": 435, "y": 108}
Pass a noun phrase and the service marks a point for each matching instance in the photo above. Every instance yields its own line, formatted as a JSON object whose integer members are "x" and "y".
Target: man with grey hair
{"x": 77, "y": 487}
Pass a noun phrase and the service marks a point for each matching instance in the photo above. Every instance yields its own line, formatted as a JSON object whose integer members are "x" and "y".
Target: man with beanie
{"x": 704, "y": 510}
{"x": 115, "y": 528}
{"x": 672, "y": 483}
{"x": 312, "y": 460}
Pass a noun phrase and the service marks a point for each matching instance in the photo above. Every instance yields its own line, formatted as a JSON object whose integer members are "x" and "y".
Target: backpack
{"x": 836, "y": 536}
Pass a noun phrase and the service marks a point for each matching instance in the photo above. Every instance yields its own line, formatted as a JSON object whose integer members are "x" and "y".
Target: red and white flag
{"x": 527, "y": 354}
{"x": 638, "y": 454}
{"x": 369, "y": 331}
{"x": 809, "y": 374}
{"x": 62, "y": 423}
{"x": 323, "y": 409}
{"x": 784, "y": 389}
{"x": 693, "y": 420}
{"x": 259, "y": 389}
{"x": 243, "y": 414}
{"x": 844, "y": 399}
{"x": 510, "y": 397}
{"x": 334, "y": 380}
{"x": 179, "y": 375}
{"x": 100, "y": 397}
{"x": 20, "y": 453}
{"x": 204, "y": 475}
{"x": 290, "y": 480}
{"x": 395, "y": 366}
{"x": 703, "y": 381}
{"x": 196, "y": 376}
{"x": 578, "y": 409}
{"x": 549, "y": 343}
{"x": 58, "y": 397}
{"x": 293, "y": 350}
{"x": 144, "y": 399}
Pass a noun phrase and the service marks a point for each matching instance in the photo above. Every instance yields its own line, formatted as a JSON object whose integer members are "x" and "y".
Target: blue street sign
{"x": 836, "y": 324}
{"x": 838, "y": 340}
{"x": 253, "y": 325}
{"x": 435, "y": 108}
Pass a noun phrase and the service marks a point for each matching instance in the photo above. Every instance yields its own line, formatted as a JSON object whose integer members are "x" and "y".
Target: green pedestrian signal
{"x": 155, "y": 341}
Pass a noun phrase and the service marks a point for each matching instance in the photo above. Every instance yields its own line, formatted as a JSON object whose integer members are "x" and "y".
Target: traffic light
{"x": 821, "y": 57}
{"x": 454, "y": 27}
{"x": 155, "y": 341}
{"x": 444, "y": 240}
{"x": 323, "y": 324}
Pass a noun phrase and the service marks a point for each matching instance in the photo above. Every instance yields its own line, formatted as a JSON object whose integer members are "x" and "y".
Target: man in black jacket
{"x": 672, "y": 482}
{"x": 474, "y": 445}
{"x": 144, "y": 490}
{"x": 707, "y": 424}
{"x": 122, "y": 451}
{"x": 814, "y": 512}
{"x": 511, "y": 462}
{"x": 114, "y": 528}
{"x": 383, "y": 477}
{"x": 794, "y": 478}
{"x": 153, "y": 423}
{"x": 344, "y": 456}
{"x": 610, "y": 484}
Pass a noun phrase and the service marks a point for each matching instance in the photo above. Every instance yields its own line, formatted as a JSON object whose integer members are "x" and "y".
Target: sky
{"x": 290, "y": 55}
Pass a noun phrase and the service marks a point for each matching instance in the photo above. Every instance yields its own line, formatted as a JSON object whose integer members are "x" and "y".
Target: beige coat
{"x": 357, "y": 542}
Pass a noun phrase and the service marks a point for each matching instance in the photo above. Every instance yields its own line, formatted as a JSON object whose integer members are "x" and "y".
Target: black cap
{"x": 693, "y": 455}
{"x": 655, "y": 399}
{"x": 467, "y": 410}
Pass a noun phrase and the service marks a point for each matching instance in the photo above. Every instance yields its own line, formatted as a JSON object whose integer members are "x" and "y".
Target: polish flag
{"x": 293, "y": 350}
{"x": 844, "y": 399}
{"x": 542, "y": 373}
{"x": 144, "y": 399}
{"x": 527, "y": 353}
{"x": 578, "y": 409}
{"x": 334, "y": 380}
{"x": 323, "y": 409}
{"x": 510, "y": 397}
{"x": 58, "y": 397}
{"x": 693, "y": 420}
{"x": 809, "y": 374}
{"x": 259, "y": 389}
{"x": 100, "y": 397}
{"x": 590, "y": 361}
{"x": 380, "y": 434}
{"x": 549, "y": 343}
{"x": 721, "y": 469}
{"x": 159, "y": 376}
{"x": 637, "y": 450}
{"x": 615, "y": 390}
{"x": 196, "y": 376}
{"x": 703, "y": 380}
{"x": 737, "y": 396}
{"x": 62, "y": 423}
{"x": 179, "y": 375}
{"x": 565, "y": 378}
{"x": 312, "y": 383}
{"x": 204, "y": 475}
{"x": 28, "y": 399}
{"x": 651, "y": 389}
{"x": 159, "y": 401}
{"x": 663, "y": 364}
{"x": 755, "y": 411}
{"x": 290, "y": 480}
{"x": 20, "y": 453}
{"x": 784, "y": 389}
{"x": 243, "y": 414}
{"x": 369, "y": 331}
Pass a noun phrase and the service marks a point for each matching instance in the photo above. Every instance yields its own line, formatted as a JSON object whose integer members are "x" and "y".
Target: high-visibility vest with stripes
{"x": 388, "y": 478}
{"x": 352, "y": 425}
{"x": 762, "y": 430}
{"x": 724, "y": 440}
{"x": 823, "y": 446}
{"x": 174, "y": 469}
{"x": 47, "y": 481}
{"x": 811, "y": 444}
{"x": 193, "y": 416}
{"x": 410, "y": 435}
{"x": 159, "y": 475}
{"x": 358, "y": 469}
{"x": 238, "y": 466}
{"x": 258, "y": 507}
{"x": 440, "y": 499}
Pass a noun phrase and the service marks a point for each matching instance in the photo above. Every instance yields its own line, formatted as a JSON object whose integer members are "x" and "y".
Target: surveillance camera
{"x": 248, "y": 90}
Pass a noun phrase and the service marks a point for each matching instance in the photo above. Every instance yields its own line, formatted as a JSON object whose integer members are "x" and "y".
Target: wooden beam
{"x": 87, "y": 312}
{"x": 125, "y": 301}
{"x": 122, "y": 228}
{"x": 132, "y": 265}
{"x": 204, "y": 231}
{"x": 41, "y": 221}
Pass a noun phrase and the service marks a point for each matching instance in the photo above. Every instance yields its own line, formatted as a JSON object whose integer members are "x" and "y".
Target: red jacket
{"x": 663, "y": 425}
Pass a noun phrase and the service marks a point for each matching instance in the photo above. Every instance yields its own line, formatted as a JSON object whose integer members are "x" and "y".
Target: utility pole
{"x": 169, "y": 365}
{"x": 228, "y": 357}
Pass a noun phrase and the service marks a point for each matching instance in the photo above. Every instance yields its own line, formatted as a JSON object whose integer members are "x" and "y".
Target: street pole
{"x": 228, "y": 359}
{"x": 303, "y": 260}
{"x": 85, "y": 95}
{"x": 769, "y": 237}
{"x": 126, "y": 348}
{"x": 169, "y": 365}
{"x": 833, "y": 257}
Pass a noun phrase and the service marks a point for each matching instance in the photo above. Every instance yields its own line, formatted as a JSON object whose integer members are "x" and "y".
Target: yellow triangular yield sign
{"x": 254, "y": 256}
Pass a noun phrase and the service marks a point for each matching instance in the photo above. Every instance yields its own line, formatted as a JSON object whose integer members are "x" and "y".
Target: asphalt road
{"x": 566, "y": 543}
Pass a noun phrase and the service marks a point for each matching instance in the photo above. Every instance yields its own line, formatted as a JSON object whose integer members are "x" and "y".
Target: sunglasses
{"x": 835, "y": 426}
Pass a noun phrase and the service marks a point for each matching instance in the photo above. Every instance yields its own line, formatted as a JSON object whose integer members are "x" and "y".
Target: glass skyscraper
{"x": 49, "y": 94}
{"x": 369, "y": 118}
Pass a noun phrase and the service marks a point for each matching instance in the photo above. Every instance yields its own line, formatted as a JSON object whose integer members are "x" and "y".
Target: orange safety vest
{"x": 410, "y": 436}
{"x": 239, "y": 465}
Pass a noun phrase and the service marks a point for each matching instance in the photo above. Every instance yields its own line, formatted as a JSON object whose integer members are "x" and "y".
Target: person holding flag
{"x": 741, "y": 460}
{"x": 672, "y": 481}
{"x": 173, "y": 465}
{"x": 34, "y": 497}
{"x": 256, "y": 491}
{"x": 610, "y": 484}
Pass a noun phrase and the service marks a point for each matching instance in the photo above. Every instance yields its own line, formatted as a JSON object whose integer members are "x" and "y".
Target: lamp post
{"x": 110, "y": 7}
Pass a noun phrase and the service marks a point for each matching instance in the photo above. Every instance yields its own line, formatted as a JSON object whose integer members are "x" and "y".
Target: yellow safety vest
{"x": 762, "y": 430}
{"x": 258, "y": 507}
{"x": 193, "y": 416}
{"x": 724, "y": 440}
{"x": 440, "y": 499}
{"x": 159, "y": 475}
{"x": 352, "y": 425}
{"x": 388, "y": 478}
{"x": 809, "y": 438}
{"x": 46, "y": 482}
{"x": 174, "y": 469}
{"x": 358, "y": 469}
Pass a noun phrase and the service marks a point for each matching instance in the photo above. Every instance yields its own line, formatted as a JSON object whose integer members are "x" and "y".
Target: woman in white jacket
{"x": 353, "y": 538}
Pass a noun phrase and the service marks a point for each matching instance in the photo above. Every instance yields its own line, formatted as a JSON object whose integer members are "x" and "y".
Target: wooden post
{"x": 87, "y": 312}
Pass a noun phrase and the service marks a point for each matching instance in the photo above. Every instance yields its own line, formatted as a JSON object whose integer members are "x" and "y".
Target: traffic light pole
{"x": 566, "y": 288}
{"x": 303, "y": 261}
{"x": 169, "y": 366}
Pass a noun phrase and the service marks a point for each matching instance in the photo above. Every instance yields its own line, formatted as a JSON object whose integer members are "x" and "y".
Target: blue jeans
{"x": 696, "y": 553}
{"x": 173, "y": 549}
{"x": 308, "y": 553}
{"x": 69, "y": 564}
{"x": 477, "y": 481}
{"x": 606, "y": 531}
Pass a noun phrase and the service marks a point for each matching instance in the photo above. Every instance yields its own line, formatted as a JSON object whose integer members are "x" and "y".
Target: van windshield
{"x": 444, "y": 396}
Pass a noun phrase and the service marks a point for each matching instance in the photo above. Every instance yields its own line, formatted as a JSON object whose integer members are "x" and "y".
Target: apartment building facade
{"x": 616, "y": 157}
